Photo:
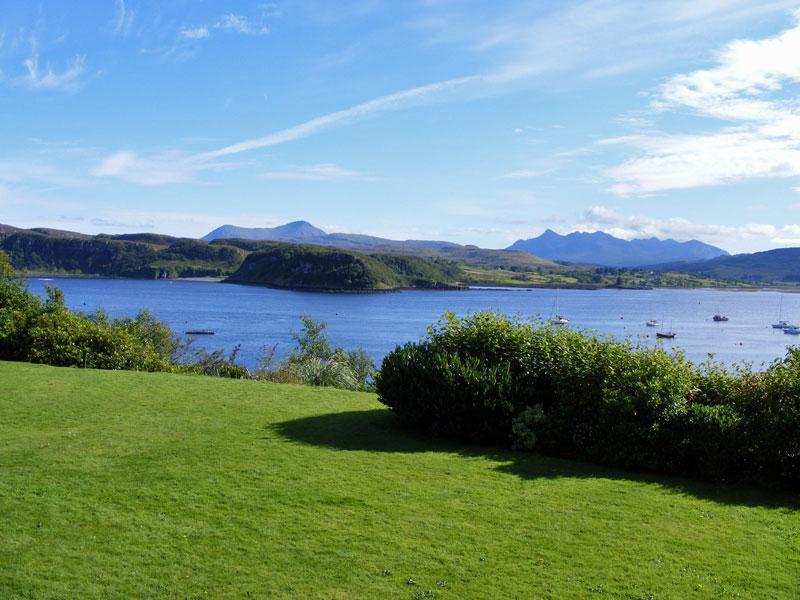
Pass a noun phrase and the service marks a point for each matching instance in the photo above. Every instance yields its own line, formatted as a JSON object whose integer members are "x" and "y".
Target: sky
{"x": 469, "y": 121}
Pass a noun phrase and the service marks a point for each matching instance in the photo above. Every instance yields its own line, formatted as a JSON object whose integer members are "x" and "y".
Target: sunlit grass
{"x": 120, "y": 484}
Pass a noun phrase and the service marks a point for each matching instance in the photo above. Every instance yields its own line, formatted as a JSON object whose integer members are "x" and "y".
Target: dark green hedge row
{"x": 490, "y": 379}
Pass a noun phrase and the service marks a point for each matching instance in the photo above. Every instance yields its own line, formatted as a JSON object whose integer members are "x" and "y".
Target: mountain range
{"x": 600, "y": 248}
{"x": 596, "y": 248}
{"x": 303, "y": 232}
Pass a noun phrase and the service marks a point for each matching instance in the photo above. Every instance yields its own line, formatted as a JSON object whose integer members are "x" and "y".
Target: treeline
{"x": 43, "y": 330}
{"x": 490, "y": 379}
{"x": 278, "y": 264}
{"x": 112, "y": 257}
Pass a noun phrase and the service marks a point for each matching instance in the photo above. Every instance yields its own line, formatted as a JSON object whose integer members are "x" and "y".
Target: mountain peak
{"x": 601, "y": 248}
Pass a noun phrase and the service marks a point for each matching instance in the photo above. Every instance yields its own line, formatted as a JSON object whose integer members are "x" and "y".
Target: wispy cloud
{"x": 240, "y": 24}
{"x": 760, "y": 135}
{"x": 229, "y": 23}
{"x": 195, "y": 33}
{"x": 628, "y": 227}
{"x": 37, "y": 78}
{"x": 168, "y": 167}
{"x": 124, "y": 18}
{"x": 322, "y": 172}
{"x": 528, "y": 48}
{"x": 526, "y": 173}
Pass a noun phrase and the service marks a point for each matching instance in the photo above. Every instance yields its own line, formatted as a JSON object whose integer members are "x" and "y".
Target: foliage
{"x": 215, "y": 363}
{"x": 135, "y": 255}
{"x": 323, "y": 268}
{"x": 314, "y": 361}
{"x": 491, "y": 379}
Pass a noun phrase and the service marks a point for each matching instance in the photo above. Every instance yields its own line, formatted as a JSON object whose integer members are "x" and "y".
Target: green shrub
{"x": 314, "y": 361}
{"x": 492, "y": 379}
{"x": 61, "y": 338}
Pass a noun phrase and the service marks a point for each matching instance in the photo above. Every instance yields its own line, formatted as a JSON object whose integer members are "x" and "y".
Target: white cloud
{"x": 746, "y": 89}
{"x": 525, "y": 173}
{"x": 48, "y": 79}
{"x": 168, "y": 168}
{"x": 124, "y": 19}
{"x": 601, "y": 218}
{"x": 240, "y": 24}
{"x": 560, "y": 40}
{"x": 322, "y": 172}
{"x": 195, "y": 33}
{"x": 394, "y": 101}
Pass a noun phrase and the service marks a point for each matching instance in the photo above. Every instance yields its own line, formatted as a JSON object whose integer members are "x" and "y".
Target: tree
{"x": 6, "y": 269}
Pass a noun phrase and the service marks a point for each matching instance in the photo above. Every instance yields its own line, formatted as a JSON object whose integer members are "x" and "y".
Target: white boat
{"x": 558, "y": 319}
{"x": 652, "y": 323}
{"x": 781, "y": 324}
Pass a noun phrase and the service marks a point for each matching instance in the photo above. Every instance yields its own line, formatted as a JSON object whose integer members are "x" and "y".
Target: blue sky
{"x": 472, "y": 121}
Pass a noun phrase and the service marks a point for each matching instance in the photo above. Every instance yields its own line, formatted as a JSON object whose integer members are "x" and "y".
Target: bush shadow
{"x": 380, "y": 430}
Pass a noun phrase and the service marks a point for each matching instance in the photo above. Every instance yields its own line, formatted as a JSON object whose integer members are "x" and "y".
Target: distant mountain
{"x": 296, "y": 231}
{"x": 772, "y": 266}
{"x": 305, "y": 232}
{"x": 600, "y": 248}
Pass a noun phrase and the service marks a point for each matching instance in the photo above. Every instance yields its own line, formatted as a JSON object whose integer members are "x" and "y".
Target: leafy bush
{"x": 491, "y": 379}
{"x": 315, "y": 362}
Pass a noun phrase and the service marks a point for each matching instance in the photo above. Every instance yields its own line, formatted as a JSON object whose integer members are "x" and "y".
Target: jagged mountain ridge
{"x": 599, "y": 248}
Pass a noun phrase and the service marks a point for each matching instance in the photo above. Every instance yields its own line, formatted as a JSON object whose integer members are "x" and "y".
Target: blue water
{"x": 256, "y": 318}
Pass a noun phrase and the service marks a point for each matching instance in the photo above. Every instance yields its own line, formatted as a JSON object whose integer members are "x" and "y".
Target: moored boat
{"x": 720, "y": 318}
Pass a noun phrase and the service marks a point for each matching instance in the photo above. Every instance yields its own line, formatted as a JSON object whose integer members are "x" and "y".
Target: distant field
{"x": 121, "y": 484}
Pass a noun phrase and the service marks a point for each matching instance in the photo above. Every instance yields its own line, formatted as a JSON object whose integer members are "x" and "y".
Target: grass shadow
{"x": 380, "y": 431}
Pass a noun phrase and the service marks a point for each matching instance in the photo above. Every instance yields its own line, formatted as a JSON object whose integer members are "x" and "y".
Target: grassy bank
{"x": 142, "y": 485}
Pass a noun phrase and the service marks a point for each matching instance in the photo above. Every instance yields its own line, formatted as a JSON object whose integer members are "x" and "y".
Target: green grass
{"x": 121, "y": 484}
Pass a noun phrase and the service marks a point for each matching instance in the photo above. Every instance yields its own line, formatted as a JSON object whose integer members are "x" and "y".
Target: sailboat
{"x": 666, "y": 335}
{"x": 558, "y": 319}
{"x": 781, "y": 324}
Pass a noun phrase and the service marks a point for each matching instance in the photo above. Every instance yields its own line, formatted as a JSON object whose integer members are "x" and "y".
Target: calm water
{"x": 256, "y": 317}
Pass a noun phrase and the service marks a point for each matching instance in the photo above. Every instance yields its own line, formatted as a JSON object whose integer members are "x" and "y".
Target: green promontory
{"x": 321, "y": 268}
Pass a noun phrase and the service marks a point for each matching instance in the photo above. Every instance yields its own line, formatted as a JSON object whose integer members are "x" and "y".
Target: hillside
{"x": 771, "y": 266}
{"x": 600, "y": 248}
{"x": 134, "y": 255}
{"x": 305, "y": 233}
{"x": 320, "y": 268}
{"x": 143, "y": 485}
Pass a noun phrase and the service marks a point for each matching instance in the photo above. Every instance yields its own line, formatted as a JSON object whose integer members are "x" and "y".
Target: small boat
{"x": 199, "y": 332}
{"x": 781, "y": 324}
{"x": 720, "y": 318}
{"x": 791, "y": 330}
{"x": 665, "y": 335}
{"x": 652, "y": 323}
{"x": 558, "y": 319}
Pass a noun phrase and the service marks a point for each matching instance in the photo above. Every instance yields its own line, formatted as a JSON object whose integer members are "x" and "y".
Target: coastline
{"x": 462, "y": 286}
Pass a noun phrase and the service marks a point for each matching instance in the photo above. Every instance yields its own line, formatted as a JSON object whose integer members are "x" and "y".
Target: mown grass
{"x": 122, "y": 484}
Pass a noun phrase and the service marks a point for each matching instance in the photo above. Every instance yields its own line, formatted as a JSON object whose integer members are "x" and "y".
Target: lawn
{"x": 121, "y": 484}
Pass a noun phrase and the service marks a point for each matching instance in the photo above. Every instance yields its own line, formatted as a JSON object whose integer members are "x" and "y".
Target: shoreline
{"x": 476, "y": 286}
